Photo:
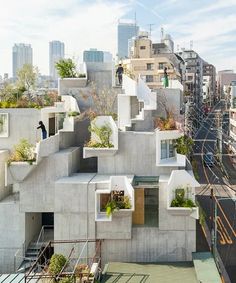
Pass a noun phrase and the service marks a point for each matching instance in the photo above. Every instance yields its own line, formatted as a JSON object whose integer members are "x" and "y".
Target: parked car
{"x": 208, "y": 159}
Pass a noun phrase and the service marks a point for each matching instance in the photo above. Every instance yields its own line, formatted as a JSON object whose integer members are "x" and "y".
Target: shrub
{"x": 165, "y": 124}
{"x": 184, "y": 145}
{"x": 103, "y": 134}
{"x": 57, "y": 262}
{"x": 180, "y": 200}
{"x": 66, "y": 280}
{"x": 66, "y": 68}
{"x": 23, "y": 151}
{"x": 82, "y": 76}
{"x": 114, "y": 205}
{"x": 73, "y": 114}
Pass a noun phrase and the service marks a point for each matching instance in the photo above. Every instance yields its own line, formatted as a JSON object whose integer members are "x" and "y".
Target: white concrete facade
{"x": 55, "y": 184}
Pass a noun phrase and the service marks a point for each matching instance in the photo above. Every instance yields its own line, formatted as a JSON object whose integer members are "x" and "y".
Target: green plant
{"x": 66, "y": 68}
{"x": 103, "y": 134}
{"x": 23, "y": 151}
{"x": 180, "y": 200}
{"x": 73, "y": 114}
{"x": 184, "y": 145}
{"x": 57, "y": 262}
{"x": 111, "y": 206}
{"x": 81, "y": 75}
{"x": 116, "y": 204}
{"x": 67, "y": 280}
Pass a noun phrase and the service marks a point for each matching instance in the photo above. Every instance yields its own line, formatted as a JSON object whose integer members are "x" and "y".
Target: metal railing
{"x": 19, "y": 256}
{"x": 41, "y": 236}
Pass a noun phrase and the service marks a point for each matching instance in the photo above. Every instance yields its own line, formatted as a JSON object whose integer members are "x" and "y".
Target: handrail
{"x": 16, "y": 254}
{"x": 41, "y": 233}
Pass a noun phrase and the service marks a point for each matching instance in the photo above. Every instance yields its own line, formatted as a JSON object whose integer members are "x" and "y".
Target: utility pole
{"x": 219, "y": 134}
{"x": 212, "y": 221}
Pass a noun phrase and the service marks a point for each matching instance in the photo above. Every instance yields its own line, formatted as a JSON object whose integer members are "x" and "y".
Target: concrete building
{"x": 224, "y": 77}
{"x": 210, "y": 71}
{"x": 125, "y": 32}
{"x": 21, "y": 54}
{"x": 93, "y": 55}
{"x": 148, "y": 61}
{"x": 142, "y": 165}
{"x": 193, "y": 88}
{"x": 56, "y": 52}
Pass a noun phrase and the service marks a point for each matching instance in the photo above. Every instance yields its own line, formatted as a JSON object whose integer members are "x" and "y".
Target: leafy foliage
{"x": 195, "y": 169}
{"x": 57, "y": 262}
{"x": 184, "y": 145}
{"x": 23, "y": 151}
{"x": 165, "y": 124}
{"x": 27, "y": 77}
{"x": 103, "y": 134}
{"x": 66, "y": 68}
{"x": 73, "y": 114}
{"x": 67, "y": 280}
{"x": 116, "y": 204}
{"x": 180, "y": 200}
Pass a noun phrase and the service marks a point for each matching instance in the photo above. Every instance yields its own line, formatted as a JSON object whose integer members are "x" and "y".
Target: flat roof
{"x": 177, "y": 272}
{"x": 84, "y": 178}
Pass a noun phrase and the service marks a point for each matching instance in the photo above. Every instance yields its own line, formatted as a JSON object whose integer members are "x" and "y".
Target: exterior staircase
{"x": 31, "y": 254}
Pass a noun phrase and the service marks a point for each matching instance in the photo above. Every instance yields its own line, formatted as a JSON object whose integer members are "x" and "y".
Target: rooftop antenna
{"x": 191, "y": 45}
{"x": 162, "y": 34}
{"x": 150, "y": 29}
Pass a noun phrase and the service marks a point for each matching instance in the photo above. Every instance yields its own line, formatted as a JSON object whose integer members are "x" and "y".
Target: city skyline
{"x": 71, "y": 22}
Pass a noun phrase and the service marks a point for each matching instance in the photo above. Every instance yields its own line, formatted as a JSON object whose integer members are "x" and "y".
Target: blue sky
{"x": 211, "y": 24}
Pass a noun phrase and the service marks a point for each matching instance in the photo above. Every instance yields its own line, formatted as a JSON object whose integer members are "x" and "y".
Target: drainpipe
{"x": 87, "y": 206}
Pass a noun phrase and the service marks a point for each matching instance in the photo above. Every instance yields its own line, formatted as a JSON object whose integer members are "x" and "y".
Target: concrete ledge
{"x": 98, "y": 152}
{"x": 17, "y": 171}
{"x": 184, "y": 211}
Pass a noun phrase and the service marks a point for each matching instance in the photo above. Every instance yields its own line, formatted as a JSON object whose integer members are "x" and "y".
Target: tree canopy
{"x": 66, "y": 68}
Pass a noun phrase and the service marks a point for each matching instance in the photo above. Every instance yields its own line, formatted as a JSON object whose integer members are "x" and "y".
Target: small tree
{"x": 66, "y": 68}
{"x": 57, "y": 262}
{"x": 184, "y": 145}
{"x": 27, "y": 77}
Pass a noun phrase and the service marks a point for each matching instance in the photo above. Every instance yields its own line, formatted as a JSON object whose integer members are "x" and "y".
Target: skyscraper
{"x": 21, "y": 54}
{"x": 125, "y": 32}
{"x": 93, "y": 55}
{"x": 56, "y": 52}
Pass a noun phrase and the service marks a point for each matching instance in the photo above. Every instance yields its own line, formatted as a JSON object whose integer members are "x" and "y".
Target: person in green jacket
{"x": 165, "y": 79}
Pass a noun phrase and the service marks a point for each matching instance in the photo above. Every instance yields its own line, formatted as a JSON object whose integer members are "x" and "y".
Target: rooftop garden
{"x": 102, "y": 136}
{"x": 21, "y": 94}
{"x": 22, "y": 152}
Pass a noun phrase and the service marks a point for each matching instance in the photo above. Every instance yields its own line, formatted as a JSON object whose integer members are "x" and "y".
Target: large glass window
{"x": 163, "y": 149}
{"x": 167, "y": 149}
{"x": 161, "y": 66}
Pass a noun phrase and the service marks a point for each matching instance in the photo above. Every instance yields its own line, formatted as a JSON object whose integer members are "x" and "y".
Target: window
{"x": 150, "y": 66}
{"x": 149, "y": 78}
{"x": 142, "y": 47}
{"x": 161, "y": 66}
{"x": 167, "y": 149}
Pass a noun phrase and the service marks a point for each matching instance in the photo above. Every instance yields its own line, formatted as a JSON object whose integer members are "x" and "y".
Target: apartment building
{"x": 149, "y": 60}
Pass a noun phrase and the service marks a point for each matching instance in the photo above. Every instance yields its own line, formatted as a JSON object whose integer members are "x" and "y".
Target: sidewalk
{"x": 230, "y": 169}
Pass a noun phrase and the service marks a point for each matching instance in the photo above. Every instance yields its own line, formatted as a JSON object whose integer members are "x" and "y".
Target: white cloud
{"x": 79, "y": 24}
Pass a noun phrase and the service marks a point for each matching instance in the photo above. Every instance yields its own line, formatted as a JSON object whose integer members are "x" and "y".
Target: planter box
{"x": 184, "y": 211}
{"x": 98, "y": 152}
{"x": 67, "y": 83}
{"x": 16, "y": 172}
